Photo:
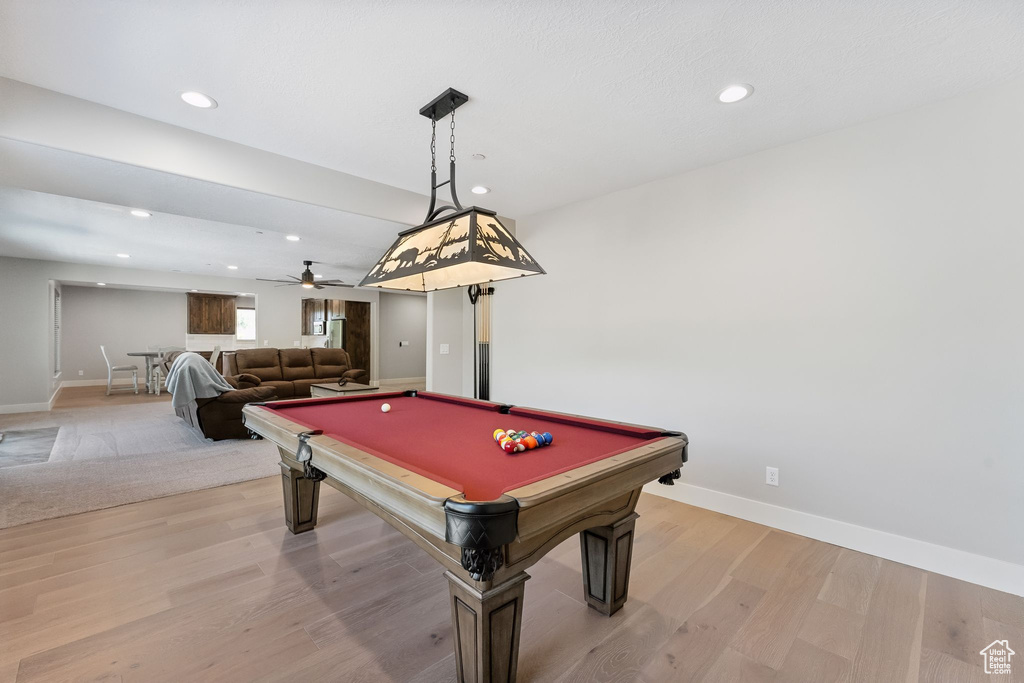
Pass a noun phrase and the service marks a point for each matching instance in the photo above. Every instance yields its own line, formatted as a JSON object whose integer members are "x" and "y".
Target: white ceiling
{"x": 569, "y": 99}
{"x": 46, "y": 226}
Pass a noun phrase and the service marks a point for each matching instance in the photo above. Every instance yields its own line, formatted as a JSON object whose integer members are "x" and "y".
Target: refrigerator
{"x": 336, "y": 333}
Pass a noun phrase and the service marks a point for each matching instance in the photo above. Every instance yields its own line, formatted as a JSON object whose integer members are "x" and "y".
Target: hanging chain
{"x": 451, "y": 154}
{"x": 433, "y": 146}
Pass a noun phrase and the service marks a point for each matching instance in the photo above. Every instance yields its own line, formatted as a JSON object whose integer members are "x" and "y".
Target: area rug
{"x": 113, "y": 455}
{"x": 26, "y": 446}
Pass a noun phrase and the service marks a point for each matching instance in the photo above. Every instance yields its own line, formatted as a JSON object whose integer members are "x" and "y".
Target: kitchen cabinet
{"x": 313, "y": 311}
{"x": 335, "y": 309}
{"x": 211, "y": 314}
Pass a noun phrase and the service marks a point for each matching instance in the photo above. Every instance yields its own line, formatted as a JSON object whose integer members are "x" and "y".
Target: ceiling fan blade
{"x": 294, "y": 278}
{"x": 329, "y": 284}
{"x": 286, "y": 284}
{"x": 317, "y": 287}
{"x": 264, "y": 279}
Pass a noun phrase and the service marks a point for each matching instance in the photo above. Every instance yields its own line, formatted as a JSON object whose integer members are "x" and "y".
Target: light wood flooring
{"x": 210, "y": 586}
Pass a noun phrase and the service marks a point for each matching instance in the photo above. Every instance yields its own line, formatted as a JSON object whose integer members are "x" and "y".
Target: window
{"x": 245, "y": 324}
{"x": 56, "y": 332}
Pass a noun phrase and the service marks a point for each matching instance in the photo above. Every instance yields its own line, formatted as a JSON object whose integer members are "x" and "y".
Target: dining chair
{"x": 157, "y": 378}
{"x": 111, "y": 369}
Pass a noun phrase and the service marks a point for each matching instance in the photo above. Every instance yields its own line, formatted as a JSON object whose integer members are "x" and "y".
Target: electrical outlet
{"x": 266, "y": 343}
{"x": 771, "y": 476}
{"x": 403, "y": 343}
{"x": 444, "y": 349}
{"x": 295, "y": 343}
{"x": 81, "y": 372}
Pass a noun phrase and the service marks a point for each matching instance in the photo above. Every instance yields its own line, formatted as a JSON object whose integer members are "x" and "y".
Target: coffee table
{"x": 332, "y": 389}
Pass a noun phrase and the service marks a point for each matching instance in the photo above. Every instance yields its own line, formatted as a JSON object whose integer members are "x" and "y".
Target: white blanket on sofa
{"x": 191, "y": 376}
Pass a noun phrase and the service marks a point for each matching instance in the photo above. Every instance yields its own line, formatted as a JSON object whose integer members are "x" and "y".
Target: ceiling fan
{"x": 307, "y": 280}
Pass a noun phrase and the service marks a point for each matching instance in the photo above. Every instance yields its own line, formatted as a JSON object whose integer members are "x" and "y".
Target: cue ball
{"x": 385, "y": 408}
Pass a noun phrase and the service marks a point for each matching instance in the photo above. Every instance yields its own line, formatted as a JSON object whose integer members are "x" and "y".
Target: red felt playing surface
{"x": 450, "y": 440}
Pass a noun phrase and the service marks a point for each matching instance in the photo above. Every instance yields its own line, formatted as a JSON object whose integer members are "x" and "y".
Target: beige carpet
{"x": 113, "y": 455}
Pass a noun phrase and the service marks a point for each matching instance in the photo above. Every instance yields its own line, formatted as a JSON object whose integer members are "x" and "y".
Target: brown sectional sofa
{"x": 291, "y": 372}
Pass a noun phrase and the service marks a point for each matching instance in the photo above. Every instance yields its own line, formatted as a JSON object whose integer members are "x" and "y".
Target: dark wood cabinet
{"x": 313, "y": 311}
{"x": 335, "y": 309}
{"x": 211, "y": 314}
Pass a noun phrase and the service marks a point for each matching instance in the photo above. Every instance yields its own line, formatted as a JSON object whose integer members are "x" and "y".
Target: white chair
{"x": 157, "y": 378}
{"x": 214, "y": 357}
{"x": 111, "y": 369}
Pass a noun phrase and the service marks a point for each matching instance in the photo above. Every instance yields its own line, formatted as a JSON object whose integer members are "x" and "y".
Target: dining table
{"x": 152, "y": 358}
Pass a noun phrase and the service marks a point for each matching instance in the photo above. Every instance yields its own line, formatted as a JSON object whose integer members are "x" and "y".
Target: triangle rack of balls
{"x": 514, "y": 441}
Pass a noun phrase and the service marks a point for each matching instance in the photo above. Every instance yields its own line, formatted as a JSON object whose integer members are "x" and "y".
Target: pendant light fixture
{"x": 468, "y": 246}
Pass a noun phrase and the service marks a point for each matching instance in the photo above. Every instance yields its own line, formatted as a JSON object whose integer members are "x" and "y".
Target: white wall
{"x": 26, "y": 365}
{"x": 847, "y": 309}
{"x": 450, "y": 321}
{"x": 403, "y": 317}
{"x": 122, "y": 320}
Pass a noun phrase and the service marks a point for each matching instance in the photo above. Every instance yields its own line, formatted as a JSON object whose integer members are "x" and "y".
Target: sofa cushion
{"x": 330, "y": 362}
{"x": 264, "y": 363}
{"x": 296, "y": 364}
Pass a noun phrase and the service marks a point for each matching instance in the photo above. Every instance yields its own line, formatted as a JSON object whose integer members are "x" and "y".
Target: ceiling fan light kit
{"x": 307, "y": 280}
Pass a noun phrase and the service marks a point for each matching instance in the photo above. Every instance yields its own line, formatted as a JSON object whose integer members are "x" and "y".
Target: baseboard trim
{"x": 24, "y": 408}
{"x": 959, "y": 564}
{"x": 120, "y": 381}
{"x": 53, "y": 397}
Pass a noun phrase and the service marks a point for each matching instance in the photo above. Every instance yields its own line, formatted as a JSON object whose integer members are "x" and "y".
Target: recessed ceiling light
{"x": 479, "y": 157}
{"x": 318, "y": 275}
{"x": 101, "y": 284}
{"x": 292, "y": 238}
{"x": 232, "y": 267}
{"x": 193, "y": 290}
{"x": 124, "y": 256}
{"x": 480, "y": 189}
{"x": 198, "y": 99}
{"x": 140, "y": 213}
{"x": 735, "y": 93}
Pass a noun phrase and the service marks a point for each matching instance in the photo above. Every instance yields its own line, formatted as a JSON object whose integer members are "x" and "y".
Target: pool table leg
{"x": 486, "y": 625}
{"x": 301, "y": 498}
{"x": 607, "y": 553}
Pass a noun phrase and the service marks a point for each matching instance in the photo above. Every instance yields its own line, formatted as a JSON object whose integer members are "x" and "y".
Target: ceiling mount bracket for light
{"x": 444, "y": 104}
{"x": 468, "y": 247}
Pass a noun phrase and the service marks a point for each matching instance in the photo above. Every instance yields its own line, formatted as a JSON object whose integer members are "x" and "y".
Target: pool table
{"x": 431, "y": 468}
